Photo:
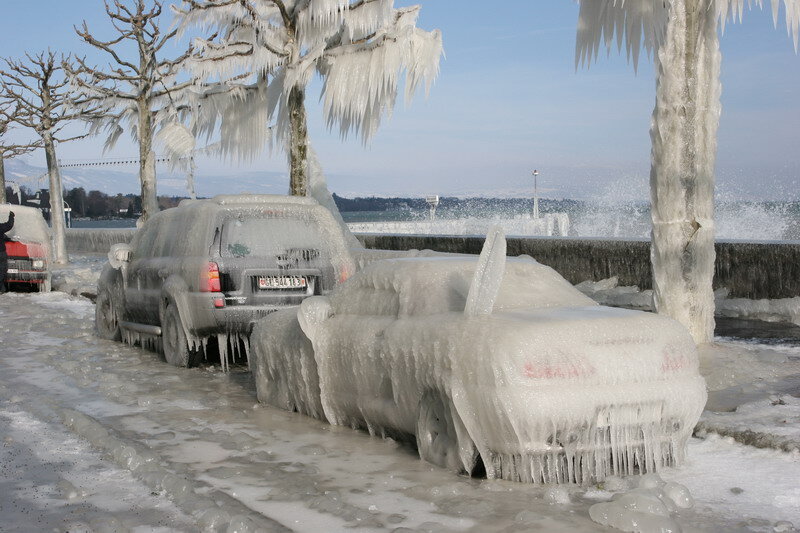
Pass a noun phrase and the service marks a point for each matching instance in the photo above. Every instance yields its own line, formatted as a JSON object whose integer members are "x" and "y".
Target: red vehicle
{"x": 28, "y": 248}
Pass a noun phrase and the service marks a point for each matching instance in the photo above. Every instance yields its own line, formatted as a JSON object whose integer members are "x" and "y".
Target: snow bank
{"x": 771, "y": 422}
{"x": 609, "y": 292}
{"x": 779, "y": 310}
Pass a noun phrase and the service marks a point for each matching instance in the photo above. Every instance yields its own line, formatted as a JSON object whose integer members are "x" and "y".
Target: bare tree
{"x": 139, "y": 93}
{"x": 358, "y": 47}
{"x": 9, "y": 150}
{"x": 40, "y": 93}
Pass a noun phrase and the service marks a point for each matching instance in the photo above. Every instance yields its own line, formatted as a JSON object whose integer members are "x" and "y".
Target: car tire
{"x": 106, "y": 317}
{"x": 437, "y": 441}
{"x": 173, "y": 339}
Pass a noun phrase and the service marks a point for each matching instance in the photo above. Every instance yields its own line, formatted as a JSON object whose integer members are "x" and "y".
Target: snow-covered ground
{"x": 609, "y": 292}
{"x": 105, "y": 437}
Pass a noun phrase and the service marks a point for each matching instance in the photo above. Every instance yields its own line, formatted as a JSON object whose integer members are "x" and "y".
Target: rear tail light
{"x": 344, "y": 274}
{"x": 210, "y": 281}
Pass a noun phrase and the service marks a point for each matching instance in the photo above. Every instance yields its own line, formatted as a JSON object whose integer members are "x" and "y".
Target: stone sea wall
{"x": 747, "y": 269}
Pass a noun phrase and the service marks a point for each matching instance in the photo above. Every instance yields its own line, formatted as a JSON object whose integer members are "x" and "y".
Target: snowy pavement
{"x": 105, "y": 437}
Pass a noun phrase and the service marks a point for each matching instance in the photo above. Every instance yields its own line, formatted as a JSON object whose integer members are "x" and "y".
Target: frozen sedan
{"x": 492, "y": 361}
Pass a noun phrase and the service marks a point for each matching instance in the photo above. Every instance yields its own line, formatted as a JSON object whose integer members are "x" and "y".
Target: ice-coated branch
{"x": 8, "y": 150}
{"x": 141, "y": 95}
{"x": 359, "y": 48}
{"x": 39, "y": 91}
{"x": 106, "y": 46}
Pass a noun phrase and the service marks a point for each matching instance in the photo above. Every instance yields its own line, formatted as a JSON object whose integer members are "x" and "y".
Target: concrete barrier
{"x": 91, "y": 240}
{"x": 747, "y": 269}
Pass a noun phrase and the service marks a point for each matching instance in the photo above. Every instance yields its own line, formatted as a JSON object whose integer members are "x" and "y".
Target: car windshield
{"x": 271, "y": 237}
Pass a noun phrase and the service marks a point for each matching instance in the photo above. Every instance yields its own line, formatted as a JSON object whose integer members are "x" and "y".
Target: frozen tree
{"x": 683, "y": 35}
{"x": 266, "y": 52}
{"x": 140, "y": 93}
{"x": 39, "y": 91}
{"x": 9, "y": 149}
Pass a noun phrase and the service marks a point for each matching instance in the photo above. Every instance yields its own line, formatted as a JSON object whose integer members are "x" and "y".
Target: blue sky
{"x": 508, "y": 100}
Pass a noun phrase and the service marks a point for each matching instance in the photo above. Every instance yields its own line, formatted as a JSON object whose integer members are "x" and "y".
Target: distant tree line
{"x": 92, "y": 204}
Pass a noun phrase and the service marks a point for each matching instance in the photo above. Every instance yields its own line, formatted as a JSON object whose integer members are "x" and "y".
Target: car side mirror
{"x": 119, "y": 255}
{"x": 313, "y": 312}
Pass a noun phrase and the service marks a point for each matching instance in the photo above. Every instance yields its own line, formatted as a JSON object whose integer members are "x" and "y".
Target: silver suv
{"x": 210, "y": 268}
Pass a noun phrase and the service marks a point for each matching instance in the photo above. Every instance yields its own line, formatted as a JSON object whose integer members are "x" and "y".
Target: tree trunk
{"x": 298, "y": 143}
{"x": 57, "y": 222}
{"x": 684, "y": 133}
{"x": 147, "y": 162}
{"x": 2, "y": 180}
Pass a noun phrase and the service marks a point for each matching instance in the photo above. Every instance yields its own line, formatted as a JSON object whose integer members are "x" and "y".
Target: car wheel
{"x": 437, "y": 441}
{"x": 173, "y": 339}
{"x": 106, "y": 319}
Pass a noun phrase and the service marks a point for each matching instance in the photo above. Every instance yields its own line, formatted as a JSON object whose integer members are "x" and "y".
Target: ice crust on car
{"x": 29, "y": 225}
{"x": 548, "y": 387}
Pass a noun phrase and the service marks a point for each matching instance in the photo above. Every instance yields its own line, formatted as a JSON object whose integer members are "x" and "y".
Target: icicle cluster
{"x": 641, "y": 24}
{"x": 262, "y": 52}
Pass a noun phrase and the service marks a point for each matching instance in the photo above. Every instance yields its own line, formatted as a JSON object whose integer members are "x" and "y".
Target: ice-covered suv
{"x": 212, "y": 267}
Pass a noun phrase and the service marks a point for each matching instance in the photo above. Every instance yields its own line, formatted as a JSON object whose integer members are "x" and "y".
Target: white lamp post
{"x": 535, "y": 194}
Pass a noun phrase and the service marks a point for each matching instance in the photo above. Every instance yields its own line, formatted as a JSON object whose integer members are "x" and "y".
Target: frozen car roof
{"x": 427, "y": 285}
{"x": 187, "y": 228}
{"x": 29, "y": 225}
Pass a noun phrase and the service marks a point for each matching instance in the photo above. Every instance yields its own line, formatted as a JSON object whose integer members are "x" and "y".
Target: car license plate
{"x": 13, "y": 271}
{"x": 281, "y": 282}
{"x": 629, "y": 414}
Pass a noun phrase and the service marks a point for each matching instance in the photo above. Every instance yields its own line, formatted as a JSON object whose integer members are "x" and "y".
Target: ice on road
{"x": 104, "y": 436}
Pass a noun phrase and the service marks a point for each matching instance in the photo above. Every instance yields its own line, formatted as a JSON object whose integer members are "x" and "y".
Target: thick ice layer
{"x": 96, "y": 240}
{"x": 29, "y": 225}
{"x": 548, "y": 387}
{"x": 549, "y": 224}
{"x": 778, "y": 310}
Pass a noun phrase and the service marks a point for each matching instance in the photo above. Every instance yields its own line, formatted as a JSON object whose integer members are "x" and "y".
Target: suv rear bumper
{"x": 204, "y": 318}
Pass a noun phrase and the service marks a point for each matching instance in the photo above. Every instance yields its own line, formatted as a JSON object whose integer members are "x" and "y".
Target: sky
{"x": 508, "y": 100}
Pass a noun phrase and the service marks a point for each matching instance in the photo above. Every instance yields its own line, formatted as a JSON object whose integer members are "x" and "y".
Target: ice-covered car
{"x": 492, "y": 361}
{"x": 28, "y": 247}
{"x": 212, "y": 267}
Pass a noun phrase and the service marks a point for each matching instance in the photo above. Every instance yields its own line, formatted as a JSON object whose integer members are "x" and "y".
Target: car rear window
{"x": 271, "y": 237}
